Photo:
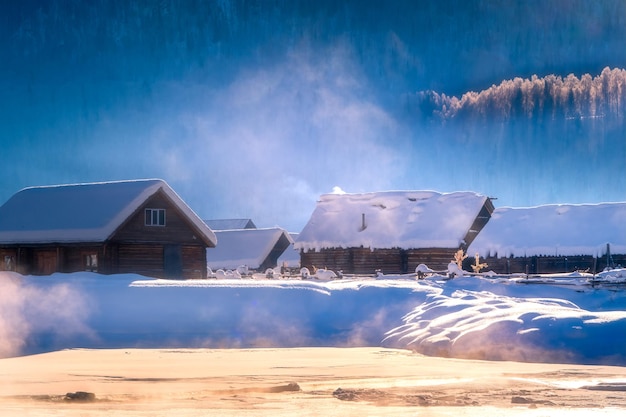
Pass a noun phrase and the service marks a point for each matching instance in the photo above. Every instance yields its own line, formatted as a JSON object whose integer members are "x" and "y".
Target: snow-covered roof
{"x": 250, "y": 247}
{"x": 230, "y": 224}
{"x": 559, "y": 230}
{"x": 89, "y": 212}
{"x": 391, "y": 219}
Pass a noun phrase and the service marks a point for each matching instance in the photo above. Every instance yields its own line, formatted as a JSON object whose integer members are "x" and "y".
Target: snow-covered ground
{"x": 556, "y": 319}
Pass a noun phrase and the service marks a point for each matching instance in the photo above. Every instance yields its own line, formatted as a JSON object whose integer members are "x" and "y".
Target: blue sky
{"x": 255, "y": 108}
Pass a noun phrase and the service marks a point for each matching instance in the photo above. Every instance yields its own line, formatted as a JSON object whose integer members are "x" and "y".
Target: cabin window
{"x": 9, "y": 263}
{"x": 155, "y": 217}
{"x": 91, "y": 262}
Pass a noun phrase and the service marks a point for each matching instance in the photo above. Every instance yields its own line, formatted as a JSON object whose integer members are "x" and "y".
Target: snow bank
{"x": 471, "y": 324}
{"x": 464, "y": 317}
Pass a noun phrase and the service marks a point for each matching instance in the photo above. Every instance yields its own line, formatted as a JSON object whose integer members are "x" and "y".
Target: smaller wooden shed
{"x": 139, "y": 226}
{"x": 393, "y": 231}
{"x": 258, "y": 249}
{"x": 553, "y": 238}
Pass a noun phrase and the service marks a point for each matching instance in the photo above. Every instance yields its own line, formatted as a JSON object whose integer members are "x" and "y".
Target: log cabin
{"x": 553, "y": 238}
{"x": 139, "y": 226}
{"x": 392, "y": 231}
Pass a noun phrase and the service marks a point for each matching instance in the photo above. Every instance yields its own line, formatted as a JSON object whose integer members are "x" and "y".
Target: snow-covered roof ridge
{"x": 554, "y": 230}
{"x": 84, "y": 212}
{"x": 230, "y": 224}
{"x": 391, "y": 219}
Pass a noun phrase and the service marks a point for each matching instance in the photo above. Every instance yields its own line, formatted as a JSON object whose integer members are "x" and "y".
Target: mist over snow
{"x": 40, "y": 313}
{"x": 265, "y": 145}
{"x": 561, "y": 321}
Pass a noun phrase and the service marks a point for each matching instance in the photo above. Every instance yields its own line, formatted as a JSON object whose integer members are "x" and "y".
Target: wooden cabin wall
{"x": 338, "y": 259}
{"x": 143, "y": 259}
{"x": 388, "y": 261}
{"x": 47, "y": 259}
{"x": 149, "y": 260}
{"x": 391, "y": 261}
{"x": 367, "y": 261}
{"x": 176, "y": 228}
{"x": 363, "y": 261}
{"x": 25, "y": 259}
{"x": 8, "y": 259}
{"x": 619, "y": 260}
{"x": 549, "y": 264}
{"x": 435, "y": 258}
{"x": 42, "y": 260}
{"x": 341, "y": 258}
{"x": 74, "y": 258}
{"x": 194, "y": 262}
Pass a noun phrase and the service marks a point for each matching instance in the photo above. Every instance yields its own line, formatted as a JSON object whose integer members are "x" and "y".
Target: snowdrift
{"x": 566, "y": 321}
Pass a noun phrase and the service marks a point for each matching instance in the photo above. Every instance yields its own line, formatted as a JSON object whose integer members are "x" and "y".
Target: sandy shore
{"x": 303, "y": 382}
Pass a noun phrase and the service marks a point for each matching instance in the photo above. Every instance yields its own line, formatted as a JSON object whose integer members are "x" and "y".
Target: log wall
{"x": 397, "y": 261}
{"x": 388, "y": 261}
{"x": 194, "y": 262}
{"x": 435, "y": 258}
{"x": 339, "y": 259}
{"x": 112, "y": 258}
{"x": 8, "y": 259}
{"x": 550, "y": 264}
{"x": 74, "y": 258}
{"x": 367, "y": 261}
{"x": 143, "y": 259}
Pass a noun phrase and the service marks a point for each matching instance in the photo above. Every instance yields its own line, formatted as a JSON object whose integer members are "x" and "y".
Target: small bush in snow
{"x": 477, "y": 266}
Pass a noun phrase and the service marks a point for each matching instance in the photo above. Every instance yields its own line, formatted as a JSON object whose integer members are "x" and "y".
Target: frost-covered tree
{"x": 477, "y": 265}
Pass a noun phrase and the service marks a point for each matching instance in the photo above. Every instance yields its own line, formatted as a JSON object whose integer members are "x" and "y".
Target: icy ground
{"x": 564, "y": 319}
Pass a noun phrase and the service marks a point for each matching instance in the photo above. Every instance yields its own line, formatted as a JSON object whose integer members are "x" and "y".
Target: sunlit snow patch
{"x": 483, "y": 325}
